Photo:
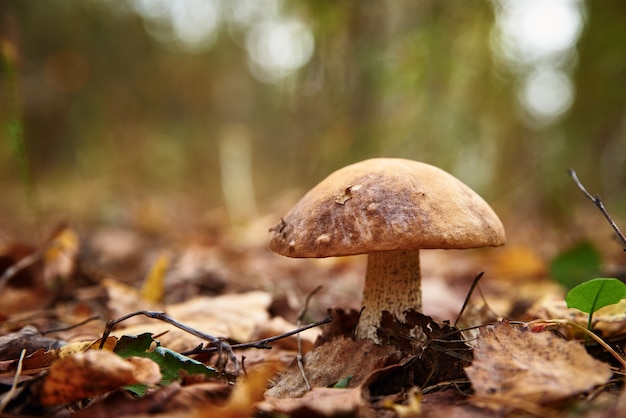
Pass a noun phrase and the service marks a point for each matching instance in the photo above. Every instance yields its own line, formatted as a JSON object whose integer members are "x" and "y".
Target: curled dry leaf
{"x": 93, "y": 373}
{"x": 513, "y": 365}
{"x": 28, "y": 338}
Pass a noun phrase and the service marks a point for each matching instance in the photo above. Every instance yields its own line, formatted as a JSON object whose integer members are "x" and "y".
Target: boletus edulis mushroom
{"x": 389, "y": 209}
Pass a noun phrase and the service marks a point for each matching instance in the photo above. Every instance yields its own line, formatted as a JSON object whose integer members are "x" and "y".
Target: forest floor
{"x": 506, "y": 355}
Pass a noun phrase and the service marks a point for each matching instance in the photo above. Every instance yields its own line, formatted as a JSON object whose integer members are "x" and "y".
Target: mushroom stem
{"x": 392, "y": 283}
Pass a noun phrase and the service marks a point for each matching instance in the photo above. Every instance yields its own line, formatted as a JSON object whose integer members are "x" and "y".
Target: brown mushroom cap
{"x": 386, "y": 204}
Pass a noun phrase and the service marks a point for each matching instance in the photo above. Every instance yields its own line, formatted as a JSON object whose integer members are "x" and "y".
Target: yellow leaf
{"x": 154, "y": 286}
{"x": 82, "y": 346}
{"x": 245, "y": 395}
{"x": 412, "y": 409}
{"x": 60, "y": 256}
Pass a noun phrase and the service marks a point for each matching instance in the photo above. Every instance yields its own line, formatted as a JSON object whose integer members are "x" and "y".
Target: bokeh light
{"x": 537, "y": 40}
{"x": 277, "y": 49}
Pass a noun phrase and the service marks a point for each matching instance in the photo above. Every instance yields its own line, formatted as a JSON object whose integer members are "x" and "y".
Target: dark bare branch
{"x": 598, "y": 202}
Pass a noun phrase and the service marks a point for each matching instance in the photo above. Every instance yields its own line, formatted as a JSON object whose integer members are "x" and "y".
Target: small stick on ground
{"x": 70, "y": 327}
{"x": 223, "y": 348}
{"x": 469, "y": 295}
{"x": 265, "y": 342}
{"x": 598, "y": 202}
{"x": 299, "y": 323}
{"x": 16, "y": 379}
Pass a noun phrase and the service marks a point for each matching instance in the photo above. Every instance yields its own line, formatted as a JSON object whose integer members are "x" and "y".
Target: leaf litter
{"x": 251, "y": 295}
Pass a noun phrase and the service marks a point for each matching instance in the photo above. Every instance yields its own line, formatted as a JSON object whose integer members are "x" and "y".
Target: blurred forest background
{"x": 110, "y": 108}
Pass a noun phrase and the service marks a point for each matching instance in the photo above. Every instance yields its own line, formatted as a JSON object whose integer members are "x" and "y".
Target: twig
{"x": 70, "y": 327}
{"x": 469, "y": 295}
{"x": 221, "y": 346}
{"x": 25, "y": 262}
{"x": 264, "y": 343}
{"x": 9, "y": 395}
{"x": 300, "y": 316}
{"x": 598, "y": 202}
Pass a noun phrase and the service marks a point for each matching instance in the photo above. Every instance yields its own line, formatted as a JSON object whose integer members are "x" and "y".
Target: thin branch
{"x": 303, "y": 311}
{"x": 24, "y": 263}
{"x": 70, "y": 327}
{"x": 11, "y": 393}
{"x": 598, "y": 202}
{"x": 220, "y": 345}
{"x": 264, "y": 343}
{"x": 469, "y": 295}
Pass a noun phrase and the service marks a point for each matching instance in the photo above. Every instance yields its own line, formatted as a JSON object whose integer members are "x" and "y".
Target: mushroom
{"x": 389, "y": 209}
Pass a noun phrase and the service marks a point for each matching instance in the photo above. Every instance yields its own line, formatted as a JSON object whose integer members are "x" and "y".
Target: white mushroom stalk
{"x": 388, "y": 208}
{"x": 393, "y": 284}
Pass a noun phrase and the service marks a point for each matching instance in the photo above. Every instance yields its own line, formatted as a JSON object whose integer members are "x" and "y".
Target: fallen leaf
{"x": 359, "y": 401}
{"x": 60, "y": 257}
{"x": 93, "y": 373}
{"x": 318, "y": 402}
{"x": 246, "y": 394}
{"x": 609, "y": 320}
{"x": 28, "y": 338}
{"x": 82, "y": 346}
{"x": 332, "y": 361}
{"x": 123, "y": 299}
{"x": 513, "y": 365}
{"x": 413, "y": 408}
{"x": 153, "y": 288}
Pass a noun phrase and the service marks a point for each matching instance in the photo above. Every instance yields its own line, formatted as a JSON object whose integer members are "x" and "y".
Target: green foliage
{"x": 575, "y": 265}
{"x": 343, "y": 382}
{"x": 14, "y": 126}
{"x": 171, "y": 363}
{"x": 595, "y": 294}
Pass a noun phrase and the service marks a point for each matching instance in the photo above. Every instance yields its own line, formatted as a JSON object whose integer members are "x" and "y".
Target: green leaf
{"x": 576, "y": 265}
{"x": 135, "y": 345}
{"x": 343, "y": 382}
{"x": 171, "y": 363}
{"x": 595, "y": 294}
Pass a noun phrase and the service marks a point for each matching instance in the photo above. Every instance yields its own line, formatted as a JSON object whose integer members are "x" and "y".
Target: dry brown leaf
{"x": 124, "y": 299}
{"x": 234, "y": 316}
{"x": 326, "y": 364}
{"x": 318, "y": 402}
{"x": 609, "y": 320}
{"x": 513, "y": 365}
{"x": 28, "y": 338}
{"x": 60, "y": 256}
{"x": 93, "y": 373}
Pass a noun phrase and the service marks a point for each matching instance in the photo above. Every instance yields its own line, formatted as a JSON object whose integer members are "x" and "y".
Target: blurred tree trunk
{"x": 596, "y": 127}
